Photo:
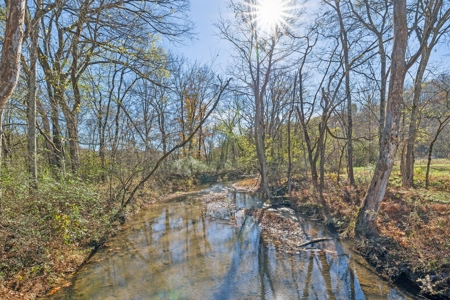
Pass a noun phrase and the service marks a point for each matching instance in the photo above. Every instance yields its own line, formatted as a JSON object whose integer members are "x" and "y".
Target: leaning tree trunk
{"x": 10, "y": 58}
{"x": 11, "y": 50}
{"x": 430, "y": 154}
{"x": 367, "y": 218}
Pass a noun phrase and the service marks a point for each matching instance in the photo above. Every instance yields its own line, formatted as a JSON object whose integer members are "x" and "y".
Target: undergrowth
{"x": 46, "y": 233}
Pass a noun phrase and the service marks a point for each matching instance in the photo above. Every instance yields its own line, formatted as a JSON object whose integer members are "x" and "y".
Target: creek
{"x": 173, "y": 251}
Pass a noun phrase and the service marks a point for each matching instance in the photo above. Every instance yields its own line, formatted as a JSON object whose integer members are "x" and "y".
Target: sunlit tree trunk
{"x": 367, "y": 219}
{"x": 11, "y": 50}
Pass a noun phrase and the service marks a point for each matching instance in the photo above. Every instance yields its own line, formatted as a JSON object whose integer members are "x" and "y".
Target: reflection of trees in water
{"x": 264, "y": 271}
{"x": 184, "y": 246}
{"x": 239, "y": 250}
{"x": 195, "y": 236}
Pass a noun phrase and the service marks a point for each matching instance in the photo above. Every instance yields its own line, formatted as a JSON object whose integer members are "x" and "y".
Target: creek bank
{"x": 413, "y": 247}
{"x": 44, "y": 243}
{"x": 414, "y": 243}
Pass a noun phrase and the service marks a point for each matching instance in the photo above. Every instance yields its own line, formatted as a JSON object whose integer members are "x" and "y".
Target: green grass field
{"x": 439, "y": 189}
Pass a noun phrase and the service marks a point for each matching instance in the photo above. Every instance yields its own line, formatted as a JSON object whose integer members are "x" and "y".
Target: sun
{"x": 271, "y": 14}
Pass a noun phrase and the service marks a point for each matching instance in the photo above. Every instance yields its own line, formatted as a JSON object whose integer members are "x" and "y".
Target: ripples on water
{"x": 173, "y": 252}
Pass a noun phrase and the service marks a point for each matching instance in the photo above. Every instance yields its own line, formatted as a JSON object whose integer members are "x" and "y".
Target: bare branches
{"x": 221, "y": 90}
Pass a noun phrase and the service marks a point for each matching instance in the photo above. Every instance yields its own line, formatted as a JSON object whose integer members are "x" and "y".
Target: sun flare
{"x": 271, "y": 14}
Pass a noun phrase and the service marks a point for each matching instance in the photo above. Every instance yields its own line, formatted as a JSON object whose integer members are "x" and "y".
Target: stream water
{"x": 171, "y": 251}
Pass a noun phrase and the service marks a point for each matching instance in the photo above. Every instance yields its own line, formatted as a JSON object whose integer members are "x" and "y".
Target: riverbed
{"x": 174, "y": 251}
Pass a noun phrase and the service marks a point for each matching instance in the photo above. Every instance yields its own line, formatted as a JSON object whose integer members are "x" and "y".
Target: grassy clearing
{"x": 439, "y": 177}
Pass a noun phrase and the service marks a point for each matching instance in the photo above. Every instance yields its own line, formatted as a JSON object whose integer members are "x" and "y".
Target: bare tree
{"x": 375, "y": 16}
{"x": 211, "y": 105}
{"x": 80, "y": 34}
{"x": 257, "y": 54}
{"x": 366, "y": 223}
{"x": 33, "y": 27}
{"x": 435, "y": 15}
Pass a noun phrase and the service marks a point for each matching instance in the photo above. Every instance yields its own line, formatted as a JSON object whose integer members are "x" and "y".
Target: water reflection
{"x": 173, "y": 252}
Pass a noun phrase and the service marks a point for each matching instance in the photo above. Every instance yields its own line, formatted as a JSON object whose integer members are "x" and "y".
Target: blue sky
{"x": 206, "y": 46}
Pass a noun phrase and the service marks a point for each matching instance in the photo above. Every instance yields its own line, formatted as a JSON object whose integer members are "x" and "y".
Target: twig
{"x": 314, "y": 241}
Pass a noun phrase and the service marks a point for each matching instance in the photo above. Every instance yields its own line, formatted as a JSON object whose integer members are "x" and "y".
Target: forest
{"x": 342, "y": 107}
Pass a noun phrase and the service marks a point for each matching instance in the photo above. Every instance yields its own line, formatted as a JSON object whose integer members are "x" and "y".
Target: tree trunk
{"x": 258, "y": 92}
{"x": 72, "y": 129}
{"x": 348, "y": 95}
{"x": 289, "y": 154}
{"x": 1, "y": 159}
{"x": 367, "y": 218}
{"x": 46, "y": 131}
{"x": 383, "y": 85}
{"x": 430, "y": 153}
{"x": 408, "y": 169}
{"x": 55, "y": 90}
{"x": 57, "y": 136}
{"x": 11, "y": 50}
{"x": 289, "y": 139}
{"x": 31, "y": 110}
{"x": 10, "y": 60}
{"x": 318, "y": 182}
{"x": 260, "y": 148}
